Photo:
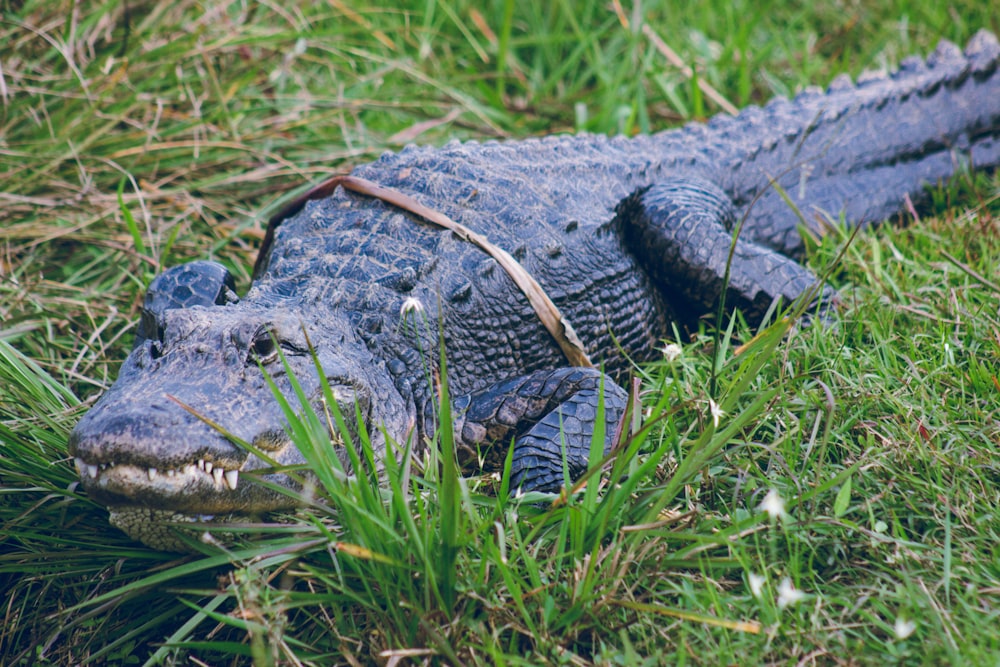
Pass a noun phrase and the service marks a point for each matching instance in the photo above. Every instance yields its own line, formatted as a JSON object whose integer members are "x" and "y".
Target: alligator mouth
{"x": 154, "y": 505}
{"x": 199, "y": 473}
{"x": 197, "y": 489}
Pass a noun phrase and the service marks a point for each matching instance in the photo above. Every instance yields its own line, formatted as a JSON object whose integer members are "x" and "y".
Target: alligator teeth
{"x": 80, "y": 465}
{"x": 171, "y": 472}
{"x": 217, "y": 474}
{"x": 152, "y": 473}
{"x": 232, "y": 476}
{"x": 201, "y": 464}
{"x": 208, "y": 466}
{"x": 91, "y": 469}
{"x": 189, "y": 469}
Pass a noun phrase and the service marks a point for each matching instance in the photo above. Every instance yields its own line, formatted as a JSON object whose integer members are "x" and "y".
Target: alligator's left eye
{"x": 262, "y": 349}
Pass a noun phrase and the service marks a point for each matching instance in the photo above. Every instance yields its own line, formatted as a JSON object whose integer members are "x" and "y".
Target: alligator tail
{"x": 862, "y": 148}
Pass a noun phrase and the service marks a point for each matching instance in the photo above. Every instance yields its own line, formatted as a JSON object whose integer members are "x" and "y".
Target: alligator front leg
{"x": 199, "y": 283}
{"x": 680, "y": 231}
{"x": 550, "y": 415}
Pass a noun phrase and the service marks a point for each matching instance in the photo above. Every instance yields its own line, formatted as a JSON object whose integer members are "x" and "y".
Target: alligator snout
{"x": 162, "y": 437}
{"x": 158, "y": 457}
{"x": 169, "y": 460}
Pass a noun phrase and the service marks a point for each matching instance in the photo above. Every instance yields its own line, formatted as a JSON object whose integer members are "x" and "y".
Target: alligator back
{"x": 857, "y": 149}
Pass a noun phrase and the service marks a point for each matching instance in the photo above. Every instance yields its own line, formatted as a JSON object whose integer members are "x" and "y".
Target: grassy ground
{"x": 139, "y": 135}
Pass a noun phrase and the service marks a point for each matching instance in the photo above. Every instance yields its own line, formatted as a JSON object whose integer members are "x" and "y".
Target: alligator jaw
{"x": 197, "y": 488}
{"x": 153, "y": 505}
{"x": 160, "y": 529}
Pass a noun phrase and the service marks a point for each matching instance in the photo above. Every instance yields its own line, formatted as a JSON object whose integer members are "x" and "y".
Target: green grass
{"x": 131, "y": 144}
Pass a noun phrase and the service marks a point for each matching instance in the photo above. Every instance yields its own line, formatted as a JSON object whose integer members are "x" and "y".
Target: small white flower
{"x": 672, "y": 352}
{"x": 904, "y": 628}
{"x": 716, "y": 411}
{"x": 773, "y": 504}
{"x": 756, "y": 583}
{"x": 411, "y": 305}
{"x": 788, "y": 594}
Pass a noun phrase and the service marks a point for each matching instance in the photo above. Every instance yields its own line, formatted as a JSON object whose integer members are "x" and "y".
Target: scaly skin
{"x": 627, "y": 236}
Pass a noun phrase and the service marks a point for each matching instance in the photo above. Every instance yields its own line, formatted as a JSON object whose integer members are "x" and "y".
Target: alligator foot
{"x": 200, "y": 283}
{"x": 549, "y": 415}
{"x": 680, "y": 231}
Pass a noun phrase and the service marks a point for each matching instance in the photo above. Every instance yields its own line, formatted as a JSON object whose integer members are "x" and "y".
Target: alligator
{"x": 629, "y": 237}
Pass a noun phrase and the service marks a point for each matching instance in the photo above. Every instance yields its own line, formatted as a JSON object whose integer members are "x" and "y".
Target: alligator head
{"x": 163, "y": 445}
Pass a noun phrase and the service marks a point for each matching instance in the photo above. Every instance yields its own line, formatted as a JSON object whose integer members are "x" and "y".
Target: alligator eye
{"x": 262, "y": 349}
